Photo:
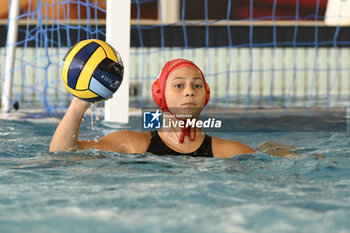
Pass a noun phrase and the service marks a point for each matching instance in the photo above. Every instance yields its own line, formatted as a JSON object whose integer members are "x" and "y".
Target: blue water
{"x": 96, "y": 191}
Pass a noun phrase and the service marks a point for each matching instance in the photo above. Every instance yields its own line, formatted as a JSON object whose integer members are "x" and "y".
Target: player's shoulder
{"x": 128, "y": 141}
{"x": 132, "y": 136}
{"x": 228, "y": 148}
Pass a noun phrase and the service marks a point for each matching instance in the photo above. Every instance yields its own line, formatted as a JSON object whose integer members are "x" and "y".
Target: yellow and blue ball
{"x": 92, "y": 70}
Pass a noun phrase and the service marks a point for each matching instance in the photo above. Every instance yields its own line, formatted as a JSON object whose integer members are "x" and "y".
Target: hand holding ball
{"x": 92, "y": 70}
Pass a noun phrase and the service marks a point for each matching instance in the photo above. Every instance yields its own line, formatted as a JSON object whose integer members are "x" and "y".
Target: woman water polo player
{"x": 181, "y": 92}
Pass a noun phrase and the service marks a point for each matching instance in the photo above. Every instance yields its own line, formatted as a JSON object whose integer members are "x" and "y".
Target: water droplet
{"x": 93, "y": 110}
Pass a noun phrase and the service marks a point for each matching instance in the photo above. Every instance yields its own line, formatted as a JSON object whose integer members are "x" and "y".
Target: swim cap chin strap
{"x": 186, "y": 131}
{"x": 158, "y": 91}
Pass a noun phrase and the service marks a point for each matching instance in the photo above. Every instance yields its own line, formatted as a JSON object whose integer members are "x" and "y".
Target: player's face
{"x": 185, "y": 91}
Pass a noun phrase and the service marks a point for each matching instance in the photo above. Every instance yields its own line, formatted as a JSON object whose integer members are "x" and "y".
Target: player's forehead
{"x": 185, "y": 73}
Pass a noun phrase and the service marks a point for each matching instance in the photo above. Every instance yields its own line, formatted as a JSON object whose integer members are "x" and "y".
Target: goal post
{"x": 169, "y": 11}
{"x": 338, "y": 13}
{"x": 10, "y": 56}
{"x": 118, "y": 35}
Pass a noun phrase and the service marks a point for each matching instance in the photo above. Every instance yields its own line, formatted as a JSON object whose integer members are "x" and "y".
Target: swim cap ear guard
{"x": 158, "y": 87}
{"x": 157, "y": 95}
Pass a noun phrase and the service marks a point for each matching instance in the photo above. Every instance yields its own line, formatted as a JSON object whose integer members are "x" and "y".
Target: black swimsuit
{"x": 158, "y": 147}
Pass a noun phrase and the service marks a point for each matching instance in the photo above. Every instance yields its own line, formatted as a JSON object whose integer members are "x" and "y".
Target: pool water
{"x": 94, "y": 191}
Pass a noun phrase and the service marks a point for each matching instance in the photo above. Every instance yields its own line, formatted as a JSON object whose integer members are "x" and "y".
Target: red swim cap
{"x": 158, "y": 87}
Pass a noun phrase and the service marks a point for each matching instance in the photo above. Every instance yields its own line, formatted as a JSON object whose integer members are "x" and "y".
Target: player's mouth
{"x": 189, "y": 104}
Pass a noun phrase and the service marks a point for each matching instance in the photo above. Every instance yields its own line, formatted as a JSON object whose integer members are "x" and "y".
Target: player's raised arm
{"x": 67, "y": 132}
{"x": 92, "y": 71}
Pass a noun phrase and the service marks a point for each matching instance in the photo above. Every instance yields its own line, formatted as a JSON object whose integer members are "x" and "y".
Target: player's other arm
{"x": 227, "y": 148}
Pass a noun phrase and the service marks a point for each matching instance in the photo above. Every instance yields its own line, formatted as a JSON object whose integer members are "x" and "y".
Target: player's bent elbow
{"x": 241, "y": 150}
{"x": 248, "y": 150}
